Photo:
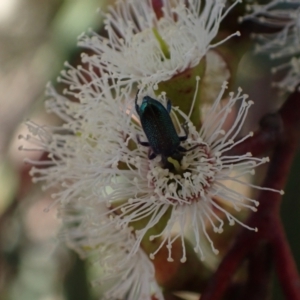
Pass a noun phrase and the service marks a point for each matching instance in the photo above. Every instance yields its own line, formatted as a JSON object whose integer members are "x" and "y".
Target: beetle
{"x": 160, "y": 131}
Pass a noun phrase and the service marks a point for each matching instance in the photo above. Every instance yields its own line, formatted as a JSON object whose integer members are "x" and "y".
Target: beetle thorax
{"x": 160, "y": 131}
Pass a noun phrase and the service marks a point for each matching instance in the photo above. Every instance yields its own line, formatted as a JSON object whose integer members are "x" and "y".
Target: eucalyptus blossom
{"x": 108, "y": 248}
{"x": 147, "y": 45}
{"x": 97, "y": 161}
{"x": 283, "y": 17}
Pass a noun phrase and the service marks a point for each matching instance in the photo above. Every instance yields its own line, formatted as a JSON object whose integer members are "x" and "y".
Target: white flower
{"x": 95, "y": 159}
{"x": 108, "y": 247}
{"x": 144, "y": 48}
{"x": 292, "y": 79}
{"x": 216, "y": 73}
{"x": 284, "y": 18}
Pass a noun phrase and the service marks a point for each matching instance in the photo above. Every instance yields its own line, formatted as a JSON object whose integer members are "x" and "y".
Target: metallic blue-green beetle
{"x": 160, "y": 131}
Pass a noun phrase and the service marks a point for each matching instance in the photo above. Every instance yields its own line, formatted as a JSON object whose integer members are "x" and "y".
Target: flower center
{"x": 186, "y": 182}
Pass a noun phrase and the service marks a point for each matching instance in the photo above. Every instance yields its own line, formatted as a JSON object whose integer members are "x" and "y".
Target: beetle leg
{"x": 151, "y": 155}
{"x": 181, "y": 149}
{"x": 186, "y": 131}
{"x": 166, "y": 164}
{"x": 169, "y": 105}
{"x": 137, "y": 108}
{"x": 146, "y": 144}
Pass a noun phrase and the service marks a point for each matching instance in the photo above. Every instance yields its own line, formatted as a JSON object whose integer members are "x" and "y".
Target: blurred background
{"x": 36, "y": 37}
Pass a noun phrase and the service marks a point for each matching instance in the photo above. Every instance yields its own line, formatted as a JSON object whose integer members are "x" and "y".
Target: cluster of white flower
{"x": 143, "y": 47}
{"x": 283, "y": 19}
{"x": 106, "y": 182}
{"x": 88, "y": 234}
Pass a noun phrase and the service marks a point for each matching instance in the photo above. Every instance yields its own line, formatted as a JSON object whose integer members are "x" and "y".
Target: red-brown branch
{"x": 284, "y": 263}
{"x": 283, "y": 132}
{"x": 260, "y": 266}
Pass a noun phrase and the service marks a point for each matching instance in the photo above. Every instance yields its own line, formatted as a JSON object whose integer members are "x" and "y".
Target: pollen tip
{"x": 225, "y": 85}
{"x": 256, "y": 229}
{"x": 151, "y": 256}
{"x": 248, "y": 7}
{"x": 282, "y": 192}
{"x": 238, "y": 33}
{"x": 170, "y": 259}
{"x": 216, "y": 251}
{"x": 251, "y": 133}
{"x": 183, "y": 260}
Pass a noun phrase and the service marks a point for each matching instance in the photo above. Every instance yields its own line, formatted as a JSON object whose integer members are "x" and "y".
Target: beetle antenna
{"x": 195, "y": 95}
{"x": 136, "y": 96}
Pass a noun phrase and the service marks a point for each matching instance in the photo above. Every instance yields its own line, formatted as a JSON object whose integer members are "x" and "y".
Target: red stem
{"x": 281, "y": 129}
{"x": 259, "y": 274}
{"x": 284, "y": 263}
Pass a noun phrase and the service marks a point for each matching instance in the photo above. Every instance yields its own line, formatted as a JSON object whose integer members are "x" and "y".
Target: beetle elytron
{"x": 160, "y": 131}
